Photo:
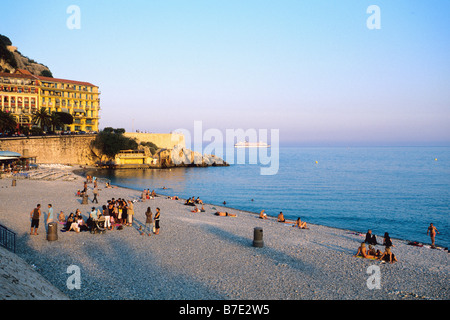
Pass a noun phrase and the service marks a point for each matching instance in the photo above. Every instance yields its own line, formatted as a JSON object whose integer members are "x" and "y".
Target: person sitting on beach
{"x": 388, "y": 256}
{"x": 281, "y": 218}
{"x": 224, "y": 214}
{"x": 74, "y": 226}
{"x": 198, "y": 201}
{"x": 372, "y": 251}
{"x": 370, "y": 238}
{"x": 69, "y": 221}
{"x": 387, "y": 240}
{"x": 362, "y": 252}
{"x": 300, "y": 224}
{"x": 82, "y": 225}
{"x": 262, "y": 214}
{"x": 61, "y": 217}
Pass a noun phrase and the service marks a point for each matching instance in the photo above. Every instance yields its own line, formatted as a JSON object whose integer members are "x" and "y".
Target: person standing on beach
{"x": 95, "y": 195}
{"x": 130, "y": 208}
{"x": 148, "y": 221}
{"x": 432, "y": 232}
{"x": 35, "y": 214}
{"x": 157, "y": 217}
{"x": 50, "y": 216}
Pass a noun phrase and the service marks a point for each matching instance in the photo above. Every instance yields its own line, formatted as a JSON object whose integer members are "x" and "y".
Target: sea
{"x": 398, "y": 190}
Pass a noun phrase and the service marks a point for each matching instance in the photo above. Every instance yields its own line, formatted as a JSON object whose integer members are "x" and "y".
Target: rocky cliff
{"x": 11, "y": 59}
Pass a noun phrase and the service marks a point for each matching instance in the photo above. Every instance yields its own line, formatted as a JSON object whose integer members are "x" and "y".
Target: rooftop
{"x": 24, "y": 74}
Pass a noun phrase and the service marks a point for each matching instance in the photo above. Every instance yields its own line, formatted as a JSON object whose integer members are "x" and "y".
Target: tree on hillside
{"x": 7, "y": 122}
{"x": 110, "y": 141}
{"x": 42, "y": 118}
{"x": 46, "y": 73}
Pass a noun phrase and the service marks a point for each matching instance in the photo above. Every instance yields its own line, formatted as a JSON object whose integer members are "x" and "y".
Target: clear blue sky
{"x": 311, "y": 69}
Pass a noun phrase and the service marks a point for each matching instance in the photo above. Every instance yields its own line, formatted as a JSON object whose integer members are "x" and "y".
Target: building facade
{"x": 22, "y": 94}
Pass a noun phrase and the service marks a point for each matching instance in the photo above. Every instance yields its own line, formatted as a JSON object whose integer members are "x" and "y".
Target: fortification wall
{"x": 162, "y": 140}
{"x": 54, "y": 149}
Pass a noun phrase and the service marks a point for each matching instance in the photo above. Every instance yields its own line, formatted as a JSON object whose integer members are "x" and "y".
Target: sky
{"x": 314, "y": 70}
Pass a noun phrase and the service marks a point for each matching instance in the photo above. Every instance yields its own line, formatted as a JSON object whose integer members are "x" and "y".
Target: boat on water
{"x": 9, "y": 155}
{"x": 246, "y": 144}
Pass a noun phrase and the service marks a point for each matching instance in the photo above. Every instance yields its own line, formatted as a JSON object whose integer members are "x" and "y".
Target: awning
{"x": 8, "y": 155}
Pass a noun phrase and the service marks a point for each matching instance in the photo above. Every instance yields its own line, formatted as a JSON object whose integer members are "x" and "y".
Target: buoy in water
{"x": 435, "y": 159}
{"x": 317, "y": 162}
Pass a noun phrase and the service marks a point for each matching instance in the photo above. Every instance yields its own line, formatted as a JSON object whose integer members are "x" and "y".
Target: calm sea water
{"x": 399, "y": 190}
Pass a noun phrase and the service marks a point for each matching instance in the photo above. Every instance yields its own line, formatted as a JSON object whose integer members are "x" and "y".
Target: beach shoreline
{"x": 82, "y": 173}
{"x": 202, "y": 256}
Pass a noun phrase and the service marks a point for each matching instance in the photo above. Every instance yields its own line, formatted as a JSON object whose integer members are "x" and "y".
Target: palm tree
{"x": 7, "y": 122}
{"x": 55, "y": 121}
{"x": 42, "y": 118}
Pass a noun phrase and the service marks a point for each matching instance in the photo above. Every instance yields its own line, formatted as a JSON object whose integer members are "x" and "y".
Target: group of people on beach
{"x": 280, "y": 218}
{"x": 387, "y": 255}
{"x": 371, "y": 253}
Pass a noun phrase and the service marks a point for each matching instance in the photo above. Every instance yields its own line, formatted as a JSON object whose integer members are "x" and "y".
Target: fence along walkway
{"x": 7, "y": 238}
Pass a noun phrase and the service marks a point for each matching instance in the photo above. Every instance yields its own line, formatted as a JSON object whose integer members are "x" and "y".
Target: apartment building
{"x": 22, "y": 94}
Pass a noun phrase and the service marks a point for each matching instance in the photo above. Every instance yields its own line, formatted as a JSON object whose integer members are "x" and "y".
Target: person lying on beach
{"x": 262, "y": 215}
{"x": 281, "y": 218}
{"x": 195, "y": 209}
{"x": 362, "y": 252}
{"x": 388, "y": 256}
{"x": 224, "y": 214}
{"x": 202, "y": 209}
{"x": 300, "y": 224}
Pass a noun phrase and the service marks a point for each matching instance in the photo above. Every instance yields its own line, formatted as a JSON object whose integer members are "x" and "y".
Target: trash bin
{"x": 258, "y": 237}
{"x": 85, "y": 199}
{"x": 52, "y": 232}
{"x": 13, "y": 183}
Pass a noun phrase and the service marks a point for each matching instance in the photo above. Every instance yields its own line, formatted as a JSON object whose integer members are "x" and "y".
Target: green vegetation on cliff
{"x": 110, "y": 141}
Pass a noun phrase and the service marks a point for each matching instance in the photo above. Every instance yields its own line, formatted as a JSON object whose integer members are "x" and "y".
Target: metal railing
{"x": 7, "y": 238}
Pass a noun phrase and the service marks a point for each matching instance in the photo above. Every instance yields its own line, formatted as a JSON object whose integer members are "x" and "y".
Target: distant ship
{"x": 246, "y": 144}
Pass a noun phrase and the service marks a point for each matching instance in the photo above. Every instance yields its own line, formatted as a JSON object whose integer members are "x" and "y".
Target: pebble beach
{"x": 201, "y": 256}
